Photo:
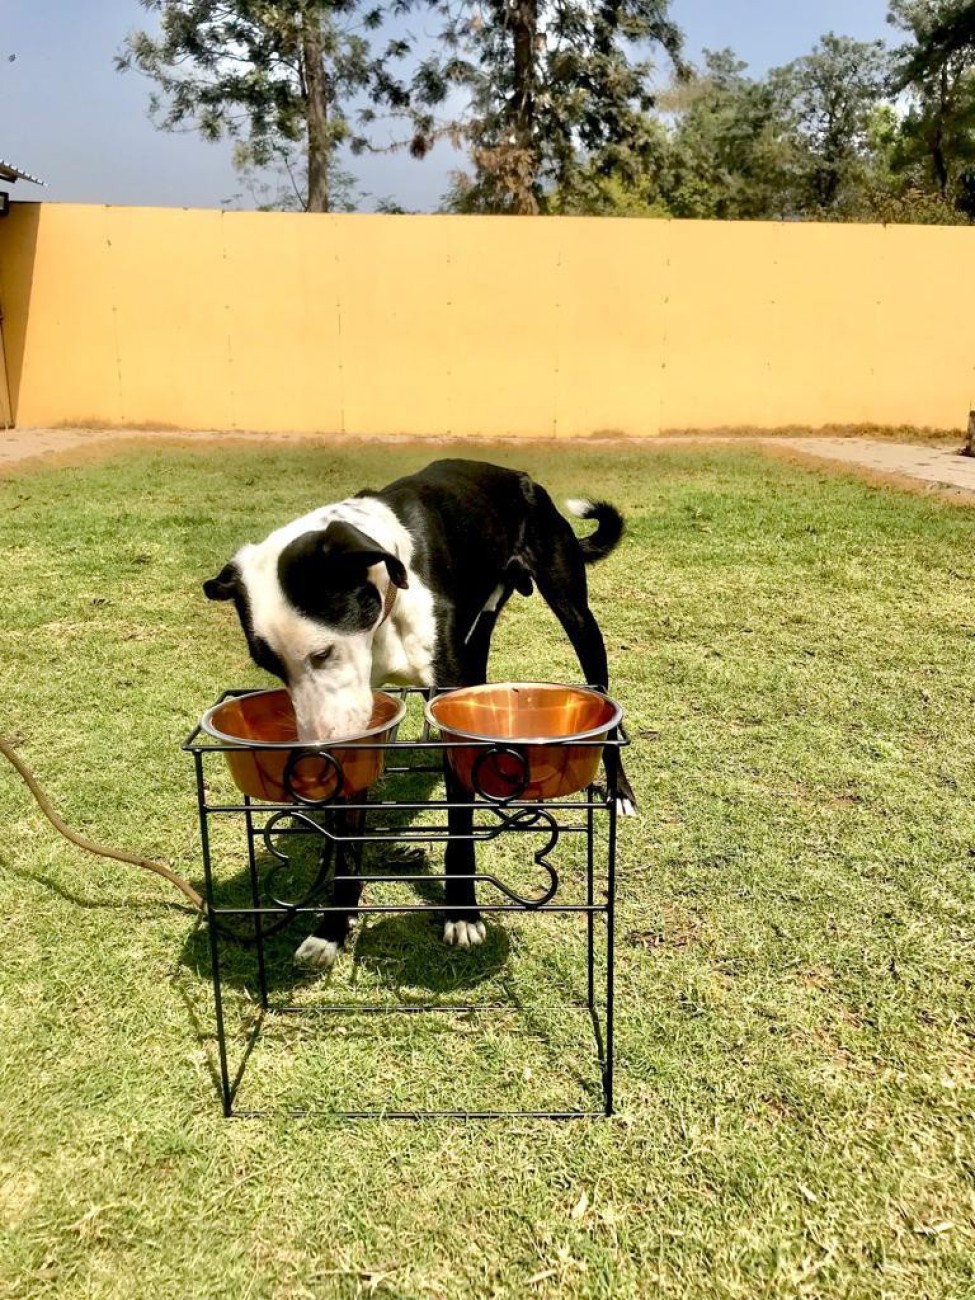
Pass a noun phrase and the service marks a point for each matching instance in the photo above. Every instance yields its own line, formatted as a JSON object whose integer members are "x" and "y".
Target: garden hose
{"x": 118, "y": 854}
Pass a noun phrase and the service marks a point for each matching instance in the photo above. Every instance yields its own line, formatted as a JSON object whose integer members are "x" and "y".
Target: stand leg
{"x": 256, "y": 903}
{"x": 214, "y": 936}
{"x": 610, "y": 953}
{"x": 590, "y": 916}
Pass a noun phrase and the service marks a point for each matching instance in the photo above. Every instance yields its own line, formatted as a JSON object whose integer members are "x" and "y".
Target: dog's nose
{"x": 330, "y": 709}
{"x": 314, "y": 730}
{"x": 334, "y": 723}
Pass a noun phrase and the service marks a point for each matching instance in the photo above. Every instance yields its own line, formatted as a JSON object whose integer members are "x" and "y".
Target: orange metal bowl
{"x": 263, "y": 731}
{"x": 539, "y": 728}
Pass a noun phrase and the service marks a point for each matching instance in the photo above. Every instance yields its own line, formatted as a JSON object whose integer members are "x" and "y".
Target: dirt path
{"x": 933, "y": 466}
{"x": 924, "y": 466}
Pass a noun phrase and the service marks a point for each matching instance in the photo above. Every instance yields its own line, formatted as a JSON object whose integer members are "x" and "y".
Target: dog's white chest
{"x": 404, "y": 647}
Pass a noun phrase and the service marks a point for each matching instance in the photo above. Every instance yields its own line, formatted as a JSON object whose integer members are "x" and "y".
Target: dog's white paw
{"x": 316, "y": 954}
{"x": 625, "y": 807}
{"x": 464, "y": 934}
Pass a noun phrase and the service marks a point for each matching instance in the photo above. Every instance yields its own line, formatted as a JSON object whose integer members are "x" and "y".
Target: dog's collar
{"x": 389, "y": 600}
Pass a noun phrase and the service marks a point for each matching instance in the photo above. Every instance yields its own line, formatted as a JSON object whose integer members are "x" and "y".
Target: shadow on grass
{"x": 407, "y": 950}
{"x": 399, "y": 951}
{"x": 134, "y": 905}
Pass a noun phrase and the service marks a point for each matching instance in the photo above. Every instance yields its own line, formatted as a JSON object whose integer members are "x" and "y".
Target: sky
{"x": 67, "y": 116}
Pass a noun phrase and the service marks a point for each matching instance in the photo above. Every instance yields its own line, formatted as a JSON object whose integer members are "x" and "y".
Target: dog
{"x": 404, "y": 586}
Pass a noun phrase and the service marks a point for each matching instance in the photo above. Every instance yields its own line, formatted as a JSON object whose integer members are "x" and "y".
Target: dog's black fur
{"x": 477, "y": 527}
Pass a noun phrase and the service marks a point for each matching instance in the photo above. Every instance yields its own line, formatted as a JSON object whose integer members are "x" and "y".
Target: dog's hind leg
{"x": 559, "y": 569}
{"x": 320, "y": 949}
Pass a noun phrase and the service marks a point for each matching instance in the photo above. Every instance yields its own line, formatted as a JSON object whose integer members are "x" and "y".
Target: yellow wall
{"x": 479, "y": 325}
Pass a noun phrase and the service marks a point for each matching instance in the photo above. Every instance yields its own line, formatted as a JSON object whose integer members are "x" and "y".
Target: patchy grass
{"x": 877, "y": 432}
{"x": 795, "y": 651}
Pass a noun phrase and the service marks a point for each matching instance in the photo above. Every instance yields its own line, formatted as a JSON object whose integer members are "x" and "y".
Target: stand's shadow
{"x": 399, "y": 951}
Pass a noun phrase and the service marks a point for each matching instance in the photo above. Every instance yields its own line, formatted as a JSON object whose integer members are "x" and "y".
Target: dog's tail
{"x": 609, "y": 527}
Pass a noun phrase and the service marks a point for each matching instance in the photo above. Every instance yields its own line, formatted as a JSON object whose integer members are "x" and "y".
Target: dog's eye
{"x": 321, "y": 658}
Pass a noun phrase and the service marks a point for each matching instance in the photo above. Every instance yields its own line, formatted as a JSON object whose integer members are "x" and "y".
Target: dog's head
{"x": 310, "y": 605}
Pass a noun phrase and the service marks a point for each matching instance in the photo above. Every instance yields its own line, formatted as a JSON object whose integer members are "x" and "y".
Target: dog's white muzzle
{"x": 333, "y": 702}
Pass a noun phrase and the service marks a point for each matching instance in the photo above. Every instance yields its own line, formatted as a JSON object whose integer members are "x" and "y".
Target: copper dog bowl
{"x": 262, "y": 729}
{"x": 546, "y": 737}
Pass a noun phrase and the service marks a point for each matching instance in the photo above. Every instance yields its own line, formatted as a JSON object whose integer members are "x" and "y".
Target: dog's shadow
{"x": 406, "y": 951}
{"x": 399, "y": 950}
{"x": 402, "y": 953}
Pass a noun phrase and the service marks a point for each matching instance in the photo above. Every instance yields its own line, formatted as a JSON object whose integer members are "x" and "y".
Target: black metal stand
{"x": 340, "y": 838}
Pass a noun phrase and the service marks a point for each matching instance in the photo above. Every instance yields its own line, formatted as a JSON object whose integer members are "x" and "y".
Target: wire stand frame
{"x": 592, "y": 814}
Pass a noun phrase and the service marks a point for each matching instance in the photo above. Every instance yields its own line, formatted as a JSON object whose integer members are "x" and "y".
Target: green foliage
{"x": 936, "y": 66}
{"x": 816, "y": 139}
{"x": 557, "y": 107}
{"x": 274, "y": 74}
{"x": 590, "y": 192}
{"x": 893, "y": 189}
{"x": 552, "y": 90}
{"x": 730, "y": 152}
{"x": 831, "y": 94}
{"x": 795, "y": 144}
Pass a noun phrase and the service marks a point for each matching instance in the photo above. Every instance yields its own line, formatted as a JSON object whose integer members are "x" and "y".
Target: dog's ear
{"x": 225, "y": 585}
{"x": 344, "y": 541}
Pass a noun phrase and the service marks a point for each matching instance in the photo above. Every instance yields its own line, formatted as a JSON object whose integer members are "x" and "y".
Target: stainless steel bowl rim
{"x": 572, "y": 739}
{"x": 239, "y": 742}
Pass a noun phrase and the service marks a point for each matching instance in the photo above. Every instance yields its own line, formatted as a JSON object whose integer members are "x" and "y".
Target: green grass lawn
{"x": 796, "y": 1049}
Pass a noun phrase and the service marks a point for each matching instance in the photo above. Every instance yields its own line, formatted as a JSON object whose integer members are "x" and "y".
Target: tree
{"x": 551, "y": 86}
{"x": 633, "y": 187}
{"x": 279, "y": 182}
{"x": 937, "y": 69}
{"x": 816, "y": 139}
{"x": 833, "y": 93}
{"x": 729, "y": 150}
{"x": 798, "y": 143}
{"x": 270, "y": 73}
{"x": 942, "y": 30}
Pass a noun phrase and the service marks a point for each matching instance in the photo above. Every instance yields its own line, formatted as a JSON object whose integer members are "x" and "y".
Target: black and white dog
{"x": 405, "y": 585}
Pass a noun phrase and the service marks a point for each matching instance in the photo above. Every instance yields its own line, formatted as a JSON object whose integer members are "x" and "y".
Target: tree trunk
{"x": 316, "y": 87}
{"x": 937, "y": 143}
{"x": 524, "y": 20}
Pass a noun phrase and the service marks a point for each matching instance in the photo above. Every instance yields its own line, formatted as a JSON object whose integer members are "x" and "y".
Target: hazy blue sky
{"x": 66, "y": 115}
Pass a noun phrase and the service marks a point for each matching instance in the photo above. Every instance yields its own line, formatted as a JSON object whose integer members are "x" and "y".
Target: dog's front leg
{"x": 462, "y": 929}
{"x": 319, "y": 950}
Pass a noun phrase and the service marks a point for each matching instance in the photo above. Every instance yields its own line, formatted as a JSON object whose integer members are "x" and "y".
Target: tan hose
{"x": 118, "y": 854}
